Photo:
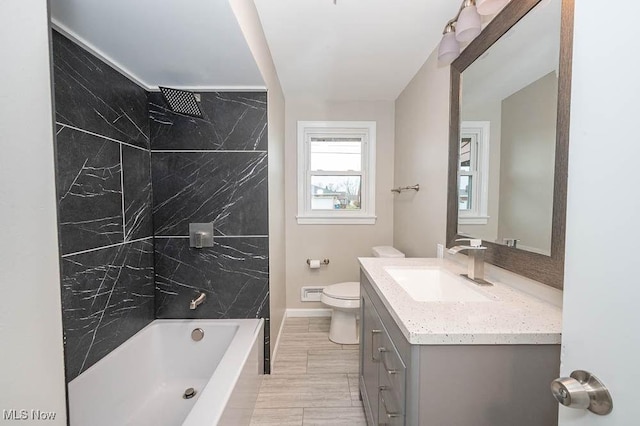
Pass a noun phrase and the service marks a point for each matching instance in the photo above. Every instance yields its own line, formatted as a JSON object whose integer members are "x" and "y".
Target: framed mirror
{"x": 509, "y": 139}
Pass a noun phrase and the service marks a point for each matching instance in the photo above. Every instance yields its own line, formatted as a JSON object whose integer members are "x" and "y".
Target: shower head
{"x": 181, "y": 101}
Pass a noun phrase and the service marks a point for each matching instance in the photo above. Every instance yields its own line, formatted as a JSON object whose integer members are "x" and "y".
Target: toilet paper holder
{"x": 322, "y": 262}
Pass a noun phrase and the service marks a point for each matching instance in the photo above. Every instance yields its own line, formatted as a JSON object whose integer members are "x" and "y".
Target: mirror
{"x": 509, "y": 138}
{"x": 508, "y": 110}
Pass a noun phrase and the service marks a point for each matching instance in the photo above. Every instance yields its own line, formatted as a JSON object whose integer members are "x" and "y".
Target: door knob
{"x": 584, "y": 391}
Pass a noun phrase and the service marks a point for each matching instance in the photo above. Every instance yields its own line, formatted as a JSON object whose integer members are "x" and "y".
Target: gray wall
{"x": 104, "y": 203}
{"x": 341, "y": 244}
{"x": 527, "y": 160}
{"x": 421, "y": 155}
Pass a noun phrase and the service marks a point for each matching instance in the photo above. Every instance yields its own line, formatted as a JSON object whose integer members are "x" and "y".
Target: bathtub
{"x": 143, "y": 381}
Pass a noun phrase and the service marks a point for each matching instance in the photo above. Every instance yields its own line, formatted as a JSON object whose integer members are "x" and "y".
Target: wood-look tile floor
{"x": 314, "y": 381}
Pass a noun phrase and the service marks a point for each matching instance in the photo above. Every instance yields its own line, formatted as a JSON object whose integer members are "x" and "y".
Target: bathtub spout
{"x": 197, "y": 301}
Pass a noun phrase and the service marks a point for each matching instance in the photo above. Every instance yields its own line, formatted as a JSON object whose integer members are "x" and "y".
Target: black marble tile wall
{"x": 91, "y": 95}
{"x": 228, "y": 189}
{"x": 104, "y": 195}
{"x": 233, "y": 274}
{"x": 136, "y": 183}
{"x": 231, "y": 121}
{"x": 107, "y": 296}
{"x": 211, "y": 169}
{"x": 89, "y": 181}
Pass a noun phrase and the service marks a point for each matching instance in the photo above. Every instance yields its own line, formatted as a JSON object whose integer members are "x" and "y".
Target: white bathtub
{"x": 142, "y": 382}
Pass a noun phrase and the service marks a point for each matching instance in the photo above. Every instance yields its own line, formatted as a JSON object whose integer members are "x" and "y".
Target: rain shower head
{"x": 181, "y": 101}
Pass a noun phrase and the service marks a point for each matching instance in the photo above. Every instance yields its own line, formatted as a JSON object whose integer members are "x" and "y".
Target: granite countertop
{"x": 511, "y": 317}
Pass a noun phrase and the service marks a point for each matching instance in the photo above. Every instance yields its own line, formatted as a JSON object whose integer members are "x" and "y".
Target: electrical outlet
{"x": 440, "y": 251}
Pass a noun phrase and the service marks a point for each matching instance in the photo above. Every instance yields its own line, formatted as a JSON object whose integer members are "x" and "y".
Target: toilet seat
{"x": 343, "y": 291}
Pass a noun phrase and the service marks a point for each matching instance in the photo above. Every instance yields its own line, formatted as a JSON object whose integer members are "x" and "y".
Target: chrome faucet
{"x": 475, "y": 267}
{"x": 197, "y": 301}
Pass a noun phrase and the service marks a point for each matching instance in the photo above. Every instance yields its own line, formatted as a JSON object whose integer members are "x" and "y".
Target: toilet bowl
{"x": 344, "y": 300}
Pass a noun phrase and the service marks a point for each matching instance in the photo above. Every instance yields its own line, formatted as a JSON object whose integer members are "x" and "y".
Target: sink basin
{"x": 435, "y": 285}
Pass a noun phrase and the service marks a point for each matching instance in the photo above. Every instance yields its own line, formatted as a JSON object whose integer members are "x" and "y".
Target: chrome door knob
{"x": 584, "y": 391}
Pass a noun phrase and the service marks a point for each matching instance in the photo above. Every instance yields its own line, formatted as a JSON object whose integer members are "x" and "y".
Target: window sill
{"x": 473, "y": 220}
{"x": 336, "y": 220}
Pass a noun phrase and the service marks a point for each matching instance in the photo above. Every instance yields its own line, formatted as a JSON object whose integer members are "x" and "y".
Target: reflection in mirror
{"x": 508, "y": 135}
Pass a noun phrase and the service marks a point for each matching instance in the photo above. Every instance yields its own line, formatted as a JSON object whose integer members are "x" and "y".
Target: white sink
{"x": 435, "y": 285}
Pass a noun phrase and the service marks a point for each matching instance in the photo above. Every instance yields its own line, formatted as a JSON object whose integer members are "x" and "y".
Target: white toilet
{"x": 344, "y": 299}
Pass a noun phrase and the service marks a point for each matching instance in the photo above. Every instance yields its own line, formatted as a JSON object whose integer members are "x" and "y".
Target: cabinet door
{"x": 370, "y": 340}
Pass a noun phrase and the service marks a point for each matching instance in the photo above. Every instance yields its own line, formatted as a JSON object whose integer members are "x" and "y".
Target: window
{"x": 336, "y": 172}
{"x": 473, "y": 173}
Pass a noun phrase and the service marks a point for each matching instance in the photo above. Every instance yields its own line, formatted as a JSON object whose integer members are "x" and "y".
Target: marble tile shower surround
{"x": 107, "y": 296}
{"x": 104, "y": 205}
{"x": 114, "y": 143}
{"x": 228, "y": 189}
{"x": 231, "y": 121}
{"x": 212, "y": 169}
{"x": 233, "y": 274}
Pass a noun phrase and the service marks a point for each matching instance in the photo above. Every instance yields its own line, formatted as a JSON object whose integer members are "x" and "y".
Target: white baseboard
{"x": 277, "y": 345}
{"x": 319, "y": 312}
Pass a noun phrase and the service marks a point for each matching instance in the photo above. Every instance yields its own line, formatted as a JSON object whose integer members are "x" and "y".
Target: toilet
{"x": 344, "y": 299}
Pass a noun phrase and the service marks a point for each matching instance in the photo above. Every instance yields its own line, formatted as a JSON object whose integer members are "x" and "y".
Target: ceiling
{"x": 355, "y": 50}
{"x": 177, "y": 43}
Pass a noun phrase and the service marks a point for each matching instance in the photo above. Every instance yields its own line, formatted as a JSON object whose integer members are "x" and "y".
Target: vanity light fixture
{"x": 465, "y": 27}
{"x": 449, "y": 48}
{"x": 468, "y": 24}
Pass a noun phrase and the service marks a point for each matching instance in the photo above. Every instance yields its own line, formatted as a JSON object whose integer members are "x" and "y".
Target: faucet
{"x": 475, "y": 268}
{"x": 197, "y": 301}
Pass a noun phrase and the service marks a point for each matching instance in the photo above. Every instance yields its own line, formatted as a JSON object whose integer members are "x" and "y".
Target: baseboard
{"x": 318, "y": 312}
{"x": 277, "y": 345}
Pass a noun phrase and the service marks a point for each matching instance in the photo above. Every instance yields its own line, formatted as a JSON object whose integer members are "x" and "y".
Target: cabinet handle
{"x": 381, "y": 350}
{"x": 384, "y": 404}
{"x": 373, "y": 333}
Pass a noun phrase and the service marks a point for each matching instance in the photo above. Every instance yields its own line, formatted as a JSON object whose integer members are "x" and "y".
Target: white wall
{"x": 340, "y": 243}
{"x": 601, "y": 287}
{"x": 421, "y": 156}
{"x": 32, "y": 368}
{"x": 249, "y": 21}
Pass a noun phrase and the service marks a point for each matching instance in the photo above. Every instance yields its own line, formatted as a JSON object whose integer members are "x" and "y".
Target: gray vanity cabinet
{"x": 452, "y": 385}
{"x": 382, "y": 368}
{"x": 370, "y": 328}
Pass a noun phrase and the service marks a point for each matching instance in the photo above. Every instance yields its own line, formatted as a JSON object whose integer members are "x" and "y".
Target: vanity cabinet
{"x": 452, "y": 385}
{"x": 383, "y": 372}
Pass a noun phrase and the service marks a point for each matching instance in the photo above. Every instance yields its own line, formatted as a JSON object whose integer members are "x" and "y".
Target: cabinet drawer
{"x": 392, "y": 371}
{"x": 389, "y": 407}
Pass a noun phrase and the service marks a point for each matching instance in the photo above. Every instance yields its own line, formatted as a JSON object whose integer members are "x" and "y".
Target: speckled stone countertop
{"x": 512, "y": 317}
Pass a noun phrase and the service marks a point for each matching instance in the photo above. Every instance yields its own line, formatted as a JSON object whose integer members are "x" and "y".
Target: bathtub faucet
{"x": 197, "y": 301}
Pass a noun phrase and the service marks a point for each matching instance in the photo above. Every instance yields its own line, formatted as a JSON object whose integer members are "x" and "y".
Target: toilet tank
{"x": 386, "y": 251}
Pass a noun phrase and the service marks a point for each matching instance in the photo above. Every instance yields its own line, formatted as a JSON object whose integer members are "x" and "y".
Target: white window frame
{"x": 480, "y": 132}
{"x": 366, "y": 214}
